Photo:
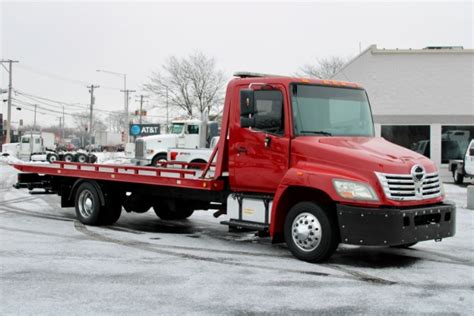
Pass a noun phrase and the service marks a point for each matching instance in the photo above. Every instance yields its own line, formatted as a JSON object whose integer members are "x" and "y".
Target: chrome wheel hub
{"x": 306, "y": 231}
{"x": 86, "y": 203}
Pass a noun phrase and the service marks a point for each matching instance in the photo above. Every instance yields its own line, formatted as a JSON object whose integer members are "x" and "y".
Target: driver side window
{"x": 269, "y": 111}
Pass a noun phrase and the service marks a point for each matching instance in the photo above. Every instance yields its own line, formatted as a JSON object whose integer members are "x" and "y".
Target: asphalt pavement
{"x": 52, "y": 264}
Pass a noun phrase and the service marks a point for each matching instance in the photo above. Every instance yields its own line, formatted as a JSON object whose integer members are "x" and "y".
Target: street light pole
{"x": 91, "y": 87}
{"x": 125, "y": 98}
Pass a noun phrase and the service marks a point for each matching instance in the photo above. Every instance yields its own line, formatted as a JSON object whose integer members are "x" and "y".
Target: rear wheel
{"x": 458, "y": 178}
{"x": 172, "y": 209}
{"x": 81, "y": 158}
{"x": 310, "y": 232}
{"x": 89, "y": 209}
{"x": 68, "y": 157}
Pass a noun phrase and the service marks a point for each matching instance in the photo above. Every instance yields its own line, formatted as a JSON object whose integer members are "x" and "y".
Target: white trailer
{"x": 108, "y": 140}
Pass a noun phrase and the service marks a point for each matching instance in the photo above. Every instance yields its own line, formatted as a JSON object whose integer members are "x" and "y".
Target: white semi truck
{"x": 152, "y": 150}
{"x": 40, "y": 146}
{"x": 464, "y": 168}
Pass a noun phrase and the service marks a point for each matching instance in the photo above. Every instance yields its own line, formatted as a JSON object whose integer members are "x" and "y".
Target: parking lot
{"x": 52, "y": 264}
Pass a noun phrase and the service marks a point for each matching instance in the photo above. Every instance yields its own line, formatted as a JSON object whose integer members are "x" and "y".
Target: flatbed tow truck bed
{"x": 170, "y": 177}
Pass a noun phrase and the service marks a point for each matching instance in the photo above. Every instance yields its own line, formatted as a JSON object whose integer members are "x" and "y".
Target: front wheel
{"x": 310, "y": 232}
{"x": 52, "y": 157}
{"x": 158, "y": 160}
{"x": 458, "y": 178}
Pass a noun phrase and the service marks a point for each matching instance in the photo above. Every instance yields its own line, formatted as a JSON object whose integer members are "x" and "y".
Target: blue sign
{"x": 135, "y": 130}
{"x": 144, "y": 129}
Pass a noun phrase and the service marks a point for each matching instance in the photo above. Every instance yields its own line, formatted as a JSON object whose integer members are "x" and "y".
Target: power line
{"x": 59, "y": 77}
{"x": 39, "y": 99}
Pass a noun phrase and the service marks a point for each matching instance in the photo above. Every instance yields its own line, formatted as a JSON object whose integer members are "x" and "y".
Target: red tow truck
{"x": 297, "y": 160}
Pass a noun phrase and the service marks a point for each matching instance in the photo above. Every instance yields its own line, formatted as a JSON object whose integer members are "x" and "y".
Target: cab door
{"x": 259, "y": 155}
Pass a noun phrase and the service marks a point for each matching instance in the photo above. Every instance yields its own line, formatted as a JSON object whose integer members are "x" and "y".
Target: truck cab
{"x": 35, "y": 143}
{"x": 181, "y": 134}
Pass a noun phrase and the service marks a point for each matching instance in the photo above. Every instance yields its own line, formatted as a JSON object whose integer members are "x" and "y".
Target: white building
{"x": 421, "y": 98}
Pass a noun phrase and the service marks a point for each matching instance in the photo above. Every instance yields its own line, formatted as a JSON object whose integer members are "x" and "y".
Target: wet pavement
{"x": 52, "y": 264}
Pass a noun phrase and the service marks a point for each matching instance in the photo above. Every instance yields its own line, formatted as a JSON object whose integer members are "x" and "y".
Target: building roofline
{"x": 371, "y": 47}
{"x": 374, "y": 50}
{"x": 444, "y": 50}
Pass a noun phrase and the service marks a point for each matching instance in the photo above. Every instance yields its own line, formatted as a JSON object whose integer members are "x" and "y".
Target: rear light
{"x": 173, "y": 155}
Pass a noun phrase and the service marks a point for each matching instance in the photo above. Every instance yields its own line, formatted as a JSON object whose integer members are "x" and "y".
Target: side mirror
{"x": 247, "y": 108}
{"x": 247, "y": 102}
{"x": 471, "y": 152}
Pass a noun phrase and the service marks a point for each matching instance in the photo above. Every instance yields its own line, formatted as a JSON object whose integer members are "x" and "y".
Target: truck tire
{"x": 458, "y": 178}
{"x": 82, "y": 158}
{"x": 52, "y": 157}
{"x": 310, "y": 232}
{"x": 172, "y": 210}
{"x": 112, "y": 208}
{"x": 68, "y": 157}
{"x": 89, "y": 210}
{"x": 136, "y": 204}
{"x": 196, "y": 167}
{"x": 158, "y": 159}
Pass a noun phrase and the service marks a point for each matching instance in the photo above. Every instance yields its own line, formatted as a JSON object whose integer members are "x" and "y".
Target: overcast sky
{"x": 60, "y": 45}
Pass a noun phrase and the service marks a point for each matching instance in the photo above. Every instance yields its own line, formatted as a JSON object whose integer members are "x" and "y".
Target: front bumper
{"x": 391, "y": 227}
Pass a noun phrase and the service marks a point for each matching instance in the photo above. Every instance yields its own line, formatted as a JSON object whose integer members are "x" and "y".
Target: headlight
{"x": 354, "y": 190}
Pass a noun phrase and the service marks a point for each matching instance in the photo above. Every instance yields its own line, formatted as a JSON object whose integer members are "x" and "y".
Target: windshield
{"x": 176, "y": 128}
{"x": 331, "y": 111}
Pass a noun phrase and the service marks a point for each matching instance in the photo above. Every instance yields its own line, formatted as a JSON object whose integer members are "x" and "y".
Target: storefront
{"x": 422, "y": 99}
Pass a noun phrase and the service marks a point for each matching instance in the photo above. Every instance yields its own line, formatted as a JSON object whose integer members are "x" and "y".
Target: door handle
{"x": 268, "y": 141}
{"x": 241, "y": 150}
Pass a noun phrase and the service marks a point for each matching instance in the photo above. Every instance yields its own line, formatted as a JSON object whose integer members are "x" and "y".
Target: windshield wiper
{"x": 317, "y": 132}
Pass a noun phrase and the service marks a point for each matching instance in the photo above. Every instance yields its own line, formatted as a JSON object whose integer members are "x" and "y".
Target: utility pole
{"x": 91, "y": 91}
{"x": 10, "y": 86}
{"x": 62, "y": 131}
{"x": 141, "y": 107}
{"x": 127, "y": 115}
{"x": 167, "y": 112}
{"x": 60, "y": 128}
{"x": 31, "y": 133}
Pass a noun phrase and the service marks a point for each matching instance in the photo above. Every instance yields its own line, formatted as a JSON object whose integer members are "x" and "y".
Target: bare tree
{"x": 192, "y": 84}
{"x": 116, "y": 121}
{"x": 81, "y": 120}
{"x": 324, "y": 68}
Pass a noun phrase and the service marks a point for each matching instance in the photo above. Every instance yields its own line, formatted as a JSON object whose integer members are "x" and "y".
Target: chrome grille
{"x": 140, "y": 148}
{"x": 404, "y": 187}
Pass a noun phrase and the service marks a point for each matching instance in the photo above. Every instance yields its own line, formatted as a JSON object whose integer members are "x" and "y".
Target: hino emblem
{"x": 418, "y": 174}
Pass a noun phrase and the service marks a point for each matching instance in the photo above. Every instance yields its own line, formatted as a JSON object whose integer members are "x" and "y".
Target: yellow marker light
{"x": 305, "y": 80}
{"x": 299, "y": 173}
{"x": 204, "y": 185}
